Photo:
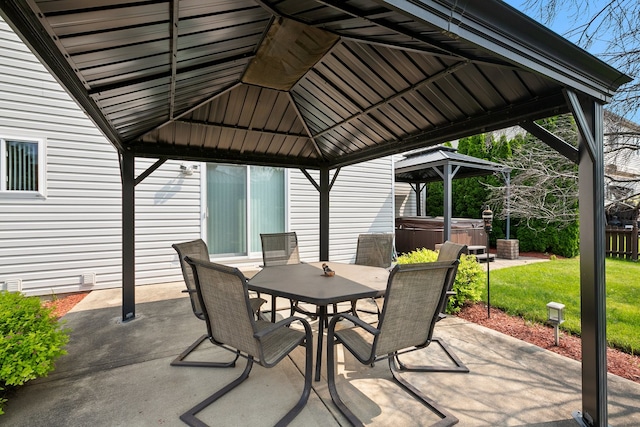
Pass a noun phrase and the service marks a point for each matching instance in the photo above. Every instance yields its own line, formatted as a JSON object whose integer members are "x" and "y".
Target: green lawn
{"x": 525, "y": 291}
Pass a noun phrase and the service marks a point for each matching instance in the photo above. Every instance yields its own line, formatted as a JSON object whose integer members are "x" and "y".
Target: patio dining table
{"x": 306, "y": 282}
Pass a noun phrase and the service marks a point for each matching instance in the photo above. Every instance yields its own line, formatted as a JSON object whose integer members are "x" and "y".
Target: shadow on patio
{"x": 119, "y": 374}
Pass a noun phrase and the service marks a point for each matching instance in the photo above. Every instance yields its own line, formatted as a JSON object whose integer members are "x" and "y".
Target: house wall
{"x": 49, "y": 243}
{"x": 405, "y": 200}
{"x": 361, "y": 201}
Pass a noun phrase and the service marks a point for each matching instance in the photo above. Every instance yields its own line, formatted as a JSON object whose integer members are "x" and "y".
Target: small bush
{"x": 468, "y": 283}
{"x": 31, "y": 339}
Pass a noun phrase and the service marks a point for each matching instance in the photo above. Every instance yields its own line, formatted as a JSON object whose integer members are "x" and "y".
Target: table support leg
{"x": 322, "y": 318}
{"x": 273, "y": 309}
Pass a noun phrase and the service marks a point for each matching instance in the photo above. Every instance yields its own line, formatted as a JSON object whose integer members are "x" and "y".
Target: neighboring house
{"x": 622, "y": 160}
{"x": 60, "y": 197}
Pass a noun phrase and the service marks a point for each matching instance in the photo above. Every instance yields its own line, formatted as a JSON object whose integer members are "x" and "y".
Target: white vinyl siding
{"x": 49, "y": 243}
{"x": 361, "y": 201}
{"x": 405, "y": 199}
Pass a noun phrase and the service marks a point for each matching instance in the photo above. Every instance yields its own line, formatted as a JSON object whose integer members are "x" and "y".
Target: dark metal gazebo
{"x": 445, "y": 164}
{"x": 319, "y": 85}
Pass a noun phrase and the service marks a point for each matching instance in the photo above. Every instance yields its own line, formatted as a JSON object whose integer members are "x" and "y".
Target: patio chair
{"x": 449, "y": 252}
{"x": 197, "y": 249}
{"x": 413, "y": 298}
{"x": 374, "y": 250}
{"x": 231, "y": 323}
{"x": 282, "y": 249}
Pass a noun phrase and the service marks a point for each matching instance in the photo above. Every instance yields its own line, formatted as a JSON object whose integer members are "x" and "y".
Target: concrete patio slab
{"x": 118, "y": 374}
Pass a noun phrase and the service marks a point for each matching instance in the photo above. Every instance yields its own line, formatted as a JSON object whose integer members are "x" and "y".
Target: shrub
{"x": 31, "y": 339}
{"x": 468, "y": 283}
{"x": 538, "y": 236}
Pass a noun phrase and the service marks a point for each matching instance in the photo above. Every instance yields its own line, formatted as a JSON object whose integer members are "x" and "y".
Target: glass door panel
{"x": 267, "y": 203}
{"x": 227, "y": 209}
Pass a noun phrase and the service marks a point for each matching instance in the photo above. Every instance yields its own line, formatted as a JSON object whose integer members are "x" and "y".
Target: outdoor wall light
{"x": 555, "y": 316}
{"x": 187, "y": 169}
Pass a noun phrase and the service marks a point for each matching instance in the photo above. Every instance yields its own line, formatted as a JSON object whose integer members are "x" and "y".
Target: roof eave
{"x": 506, "y": 32}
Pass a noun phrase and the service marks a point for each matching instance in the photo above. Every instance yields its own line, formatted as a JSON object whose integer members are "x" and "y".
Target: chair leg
{"x": 179, "y": 361}
{"x": 308, "y": 372}
{"x": 331, "y": 382}
{"x": 189, "y": 417}
{"x": 446, "y": 418}
{"x": 458, "y": 366}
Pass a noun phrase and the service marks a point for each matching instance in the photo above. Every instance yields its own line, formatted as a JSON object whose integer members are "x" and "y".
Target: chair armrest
{"x": 358, "y": 322}
{"x": 282, "y": 323}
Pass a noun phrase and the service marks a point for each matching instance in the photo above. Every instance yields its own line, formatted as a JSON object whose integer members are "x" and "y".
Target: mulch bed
{"x": 618, "y": 362}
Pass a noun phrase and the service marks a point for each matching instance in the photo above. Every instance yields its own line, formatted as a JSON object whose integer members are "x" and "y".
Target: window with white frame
{"x": 22, "y": 166}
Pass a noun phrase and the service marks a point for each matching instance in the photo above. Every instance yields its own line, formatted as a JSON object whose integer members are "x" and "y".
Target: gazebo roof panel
{"x": 362, "y": 79}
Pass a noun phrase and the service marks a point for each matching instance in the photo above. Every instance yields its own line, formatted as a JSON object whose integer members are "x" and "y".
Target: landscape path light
{"x": 487, "y": 217}
{"x": 555, "y": 316}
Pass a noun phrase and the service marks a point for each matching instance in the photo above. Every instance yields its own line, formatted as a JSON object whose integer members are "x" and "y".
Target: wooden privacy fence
{"x": 622, "y": 242}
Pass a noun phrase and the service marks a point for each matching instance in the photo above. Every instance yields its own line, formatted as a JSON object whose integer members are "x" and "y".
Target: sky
{"x": 565, "y": 25}
{"x": 564, "y": 22}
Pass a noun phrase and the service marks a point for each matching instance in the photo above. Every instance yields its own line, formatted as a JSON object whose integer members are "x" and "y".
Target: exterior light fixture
{"x": 487, "y": 217}
{"x": 187, "y": 169}
{"x": 555, "y": 316}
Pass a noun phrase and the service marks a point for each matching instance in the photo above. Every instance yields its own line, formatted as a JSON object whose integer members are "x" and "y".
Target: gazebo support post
{"x": 129, "y": 182}
{"x": 589, "y": 119}
{"x": 448, "y": 200}
{"x": 325, "y": 188}
{"x": 127, "y": 169}
{"x": 417, "y": 188}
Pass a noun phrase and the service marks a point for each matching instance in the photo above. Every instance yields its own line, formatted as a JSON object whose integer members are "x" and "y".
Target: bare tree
{"x": 616, "y": 24}
{"x": 544, "y": 184}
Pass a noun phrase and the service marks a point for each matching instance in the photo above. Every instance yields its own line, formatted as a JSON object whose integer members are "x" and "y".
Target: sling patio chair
{"x": 374, "y": 250}
{"x": 197, "y": 249}
{"x": 449, "y": 252}
{"x": 232, "y": 325}
{"x": 413, "y": 299}
{"x": 282, "y": 249}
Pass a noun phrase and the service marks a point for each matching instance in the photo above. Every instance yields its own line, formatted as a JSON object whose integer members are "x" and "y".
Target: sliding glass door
{"x": 242, "y": 202}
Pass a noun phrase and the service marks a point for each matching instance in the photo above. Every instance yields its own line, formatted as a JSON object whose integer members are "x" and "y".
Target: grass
{"x": 525, "y": 291}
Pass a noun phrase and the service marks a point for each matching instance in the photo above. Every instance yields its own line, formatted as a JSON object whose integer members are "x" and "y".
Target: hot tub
{"x": 425, "y": 232}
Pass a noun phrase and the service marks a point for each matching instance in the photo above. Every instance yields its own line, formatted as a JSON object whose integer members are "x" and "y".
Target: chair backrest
{"x": 412, "y": 301}
{"x": 224, "y": 298}
{"x": 280, "y": 249}
{"x": 450, "y": 251}
{"x": 375, "y": 249}
{"x": 196, "y": 249}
